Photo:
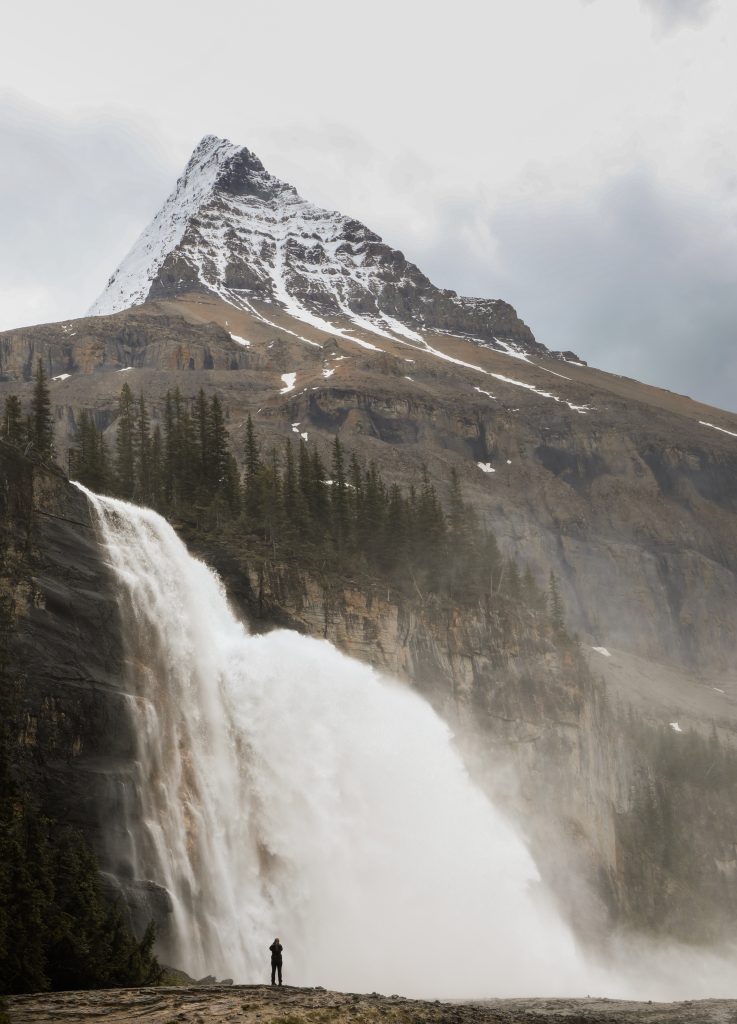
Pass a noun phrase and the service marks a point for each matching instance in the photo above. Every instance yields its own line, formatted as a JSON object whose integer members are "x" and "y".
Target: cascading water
{"x": 285, "y": 789}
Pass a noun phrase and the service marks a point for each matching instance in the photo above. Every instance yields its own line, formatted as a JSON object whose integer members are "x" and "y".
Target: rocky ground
{"x": 214, "y": 1004}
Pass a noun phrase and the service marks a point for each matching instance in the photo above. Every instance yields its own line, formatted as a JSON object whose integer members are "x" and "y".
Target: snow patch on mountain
{"x": 131, "y": 282}
{"x": 721, "y": 430}
{"x": 233, "y": 229}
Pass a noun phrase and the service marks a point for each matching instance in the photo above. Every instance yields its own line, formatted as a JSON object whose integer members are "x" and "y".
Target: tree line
{"x": 289, "y": 503}
{"x": 57, "y": 928}
{"x": 341, "y": 518}
{"x": 32, "y": 432}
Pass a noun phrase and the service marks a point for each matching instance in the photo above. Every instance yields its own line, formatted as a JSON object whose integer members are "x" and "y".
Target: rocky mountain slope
{"x": 306, "y": 321}
{"x": 233, "y": 229}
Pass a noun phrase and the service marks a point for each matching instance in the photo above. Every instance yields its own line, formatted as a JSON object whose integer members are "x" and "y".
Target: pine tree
{"x": 202, "y": 426}
{"x": 84, "y": 452}
{"x": 187, "y": 461}
{"x": 395, "y": 540}
{"x": 513, "y": 581}
{"x": 319, "y": 501}
{"x": 339, "y": 499}
{"x": 157, "y": 470}
{"x": 216, "y": 445}
{"x": 456, "y": 509}
{"x": 232, "y": 485}
{"x": 41, "y": 422}
{"x": 252, "y": 451}
{"x": 555, "y": 609}
{"x": 14, "y": 427}
{"x": 125, "y": 460}
{"x": 142, "y": 453}
{"x": 169, "y": 445}
{"x": 304, "y": 480}
{"x": 292, "y": 504}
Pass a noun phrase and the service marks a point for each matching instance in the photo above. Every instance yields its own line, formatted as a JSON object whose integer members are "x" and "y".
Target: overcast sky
{"x": 575, "y": 157}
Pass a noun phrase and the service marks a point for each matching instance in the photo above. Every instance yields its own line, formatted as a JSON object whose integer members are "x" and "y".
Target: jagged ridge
{"x": 232, "y": 228}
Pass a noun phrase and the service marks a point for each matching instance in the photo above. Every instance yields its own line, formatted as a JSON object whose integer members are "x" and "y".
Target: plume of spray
{"x": 284, "y": 788}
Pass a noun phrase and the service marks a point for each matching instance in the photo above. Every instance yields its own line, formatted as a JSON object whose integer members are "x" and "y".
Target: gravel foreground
{"x": 213, "y": 1004}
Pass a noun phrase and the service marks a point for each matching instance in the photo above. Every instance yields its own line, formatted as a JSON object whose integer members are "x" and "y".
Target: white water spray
{"x": 285, "y": 789}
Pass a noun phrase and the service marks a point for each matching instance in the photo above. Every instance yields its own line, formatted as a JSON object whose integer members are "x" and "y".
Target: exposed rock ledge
{"x": 213, "y": 1005}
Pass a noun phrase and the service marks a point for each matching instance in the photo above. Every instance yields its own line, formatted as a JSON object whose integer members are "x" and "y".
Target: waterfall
{"x": 282, "y": 788}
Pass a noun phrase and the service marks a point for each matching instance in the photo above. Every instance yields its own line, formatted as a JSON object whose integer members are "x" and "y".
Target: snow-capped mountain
{"x": 235, "y": 230}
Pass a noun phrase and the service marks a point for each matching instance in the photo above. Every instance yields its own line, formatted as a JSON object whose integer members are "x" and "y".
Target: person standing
{"x": 276, "y": 952}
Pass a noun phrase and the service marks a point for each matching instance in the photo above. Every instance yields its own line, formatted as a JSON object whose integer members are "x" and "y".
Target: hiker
{"x": 276, "y": 952}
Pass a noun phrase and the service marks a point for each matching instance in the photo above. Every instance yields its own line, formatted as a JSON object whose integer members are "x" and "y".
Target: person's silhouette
{"x": 276, "y": 952}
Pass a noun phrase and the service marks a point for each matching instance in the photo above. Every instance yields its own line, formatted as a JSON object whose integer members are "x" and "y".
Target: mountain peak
{"x": 233, "y": 229}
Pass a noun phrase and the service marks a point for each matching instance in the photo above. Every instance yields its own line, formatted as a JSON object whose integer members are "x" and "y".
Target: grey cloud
{"x": 74, "y": 193}
{"x": 637, "y": 280}
{"x": 673, "y": 14}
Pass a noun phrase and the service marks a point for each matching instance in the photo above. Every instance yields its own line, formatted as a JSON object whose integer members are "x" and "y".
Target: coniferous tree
{"x": 395, "y": 543}
{"x": 142, "y": 452}
{"x": 339, "y": 499}
{"x": 456, "y": 510}
{"x": 555, "y": 609}
{"x": 292, "y": 505}
{"x": 251, "y": 451}
{"x": 217, "y": 445}
{"x": 14, "y": 426}
{"x": 513, "y": 580}
{"x": 232, "y": 485}
{"x": 319, "y": 501}
{"x": 253, "y": 479}
{"x": 41, "y": 422}
{"x": 157, "y": 470}
{"x": 304, "y": 479}
{"x": 56, "y": 928}
{"x": 125, "y": 454}
{"x": 202, "y": 425}
{"x": 186, "y": 458}
{"x": 87, "y": 455}
{"x": 168, "y": 459}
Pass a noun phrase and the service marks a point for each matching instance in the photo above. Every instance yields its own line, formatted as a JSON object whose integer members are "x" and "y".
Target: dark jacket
{"x": 276, "y": 951}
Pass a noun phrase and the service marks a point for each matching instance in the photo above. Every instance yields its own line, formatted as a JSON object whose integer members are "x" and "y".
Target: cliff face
{"x": 631, "y": 822}
{"x": 104, "y": 344}
{"x": 70, "y": 733}
{"x": 67, "y": 708}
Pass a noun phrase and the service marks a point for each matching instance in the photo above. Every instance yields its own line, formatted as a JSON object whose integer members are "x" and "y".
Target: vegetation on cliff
{"x": 676, "y": 799}
{"x": 57, "y": 929}
{"x": 341, "y": 521}
{"x": 35, "y": 430}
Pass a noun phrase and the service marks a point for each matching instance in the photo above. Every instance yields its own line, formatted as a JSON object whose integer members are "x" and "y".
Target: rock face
{"x": 232, "y": 228}
{"x": 103, "y": 344}
{"x": 71, "y": 725}
{"x": 217, "y": 1005}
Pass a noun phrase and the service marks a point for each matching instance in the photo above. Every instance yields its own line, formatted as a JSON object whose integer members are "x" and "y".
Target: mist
{"x": 283, "y": 788}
